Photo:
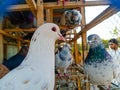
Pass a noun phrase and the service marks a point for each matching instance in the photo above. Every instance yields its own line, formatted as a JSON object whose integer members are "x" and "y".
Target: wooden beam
{"x": 101, "y": 17}
{"x": 76, "y": 50}
{"x": 21, "y": 7}
{"x": 54, "y": 5}
{"x": 69, "y": 28}
{"x": 49, "y": 15}
{"x": 20, "y": 30}
{"x": 74, "y": 4}
{"x": 70, "y": 34}
{"x": 9, "y": 43}
{"x": 33, "y": 6}
{"x": 8, "y": 35}
{"x": 40, "y": 13}
{"x": 32, "y": 29}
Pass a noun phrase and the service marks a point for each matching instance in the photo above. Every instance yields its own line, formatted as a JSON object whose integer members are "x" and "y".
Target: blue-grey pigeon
{"x": 63, "y": 58}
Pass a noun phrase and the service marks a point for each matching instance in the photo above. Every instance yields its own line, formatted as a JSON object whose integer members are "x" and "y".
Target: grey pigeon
{"x": 36, "y": 72}
{"x": 63, "y": 58}
{"x": 71, "y": 17}
{"x": 99, "y": 65}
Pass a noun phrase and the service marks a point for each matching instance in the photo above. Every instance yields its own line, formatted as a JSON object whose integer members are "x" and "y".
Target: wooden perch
{"x": 8, "y": 35}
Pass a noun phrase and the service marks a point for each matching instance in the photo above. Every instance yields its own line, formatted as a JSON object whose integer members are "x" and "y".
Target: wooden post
{"x": 76, "y": 49}
{"x": 84, "y": 40}
{"x": 1, "y": 41}
{"x": 84, "y": 49}
{"x": 79, "y": 83}
{"x": 40, "y": 13}
{"x": 49, "y": 15}
{"x": 84, "y": 43}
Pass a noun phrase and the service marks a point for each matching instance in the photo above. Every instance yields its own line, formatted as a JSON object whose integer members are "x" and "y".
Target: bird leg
{"x": 59, "y": 74}
{"x": 65, "y": 73}
{"x": 108, "y": 88}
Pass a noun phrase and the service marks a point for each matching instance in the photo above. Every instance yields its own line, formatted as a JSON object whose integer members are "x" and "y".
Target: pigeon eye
{"x": 95, "y": 38}
{"x": 54, "y": 29}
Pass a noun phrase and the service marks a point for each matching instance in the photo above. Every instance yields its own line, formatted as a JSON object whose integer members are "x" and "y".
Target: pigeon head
{"x": 68, "y": 16}
{"x": 94, "y": 41}
{"x": 48, "y": 30}
{"x": 73, "y": 17}
{"x": 77, "y": 17}
{"x": 54, "y": 30}
{"x": 68, "y": 46}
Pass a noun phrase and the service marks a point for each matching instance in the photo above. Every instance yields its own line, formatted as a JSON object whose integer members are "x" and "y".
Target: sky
{"x": 105, "y": 27}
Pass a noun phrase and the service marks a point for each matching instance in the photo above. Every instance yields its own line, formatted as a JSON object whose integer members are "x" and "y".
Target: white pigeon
{"x": 99, "y": 65}
{"x": 63, "y": 58}
{"x": 37, "y": 70}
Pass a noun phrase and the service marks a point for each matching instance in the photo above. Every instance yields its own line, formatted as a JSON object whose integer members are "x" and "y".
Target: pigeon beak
{"x": 61, "y": 37}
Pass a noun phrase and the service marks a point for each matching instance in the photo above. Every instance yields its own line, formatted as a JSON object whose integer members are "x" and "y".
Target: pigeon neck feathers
{"x": 97, "y": 54}
{"x": 64, "y": 53}
{"x": 42, "y": 43}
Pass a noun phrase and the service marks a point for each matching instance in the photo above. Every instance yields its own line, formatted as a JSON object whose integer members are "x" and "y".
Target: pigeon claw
{"x": 108, "y": 88}
{"x": 66, "y": 75}
{"x": 59, "y": 75}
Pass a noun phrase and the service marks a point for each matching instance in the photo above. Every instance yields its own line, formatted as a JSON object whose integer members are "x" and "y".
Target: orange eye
{"x": 54, "y": 29}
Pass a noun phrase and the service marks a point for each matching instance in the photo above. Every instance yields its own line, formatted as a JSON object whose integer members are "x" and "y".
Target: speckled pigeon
{"x": 36, "y": 72}
{"x": 99, "y": 65}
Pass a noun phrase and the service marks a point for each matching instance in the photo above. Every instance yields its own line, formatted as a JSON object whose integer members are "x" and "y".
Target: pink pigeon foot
{"x": 59, "y": 75}
{"x": 108, "y": 87}
{"x": 66, "y": 75}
